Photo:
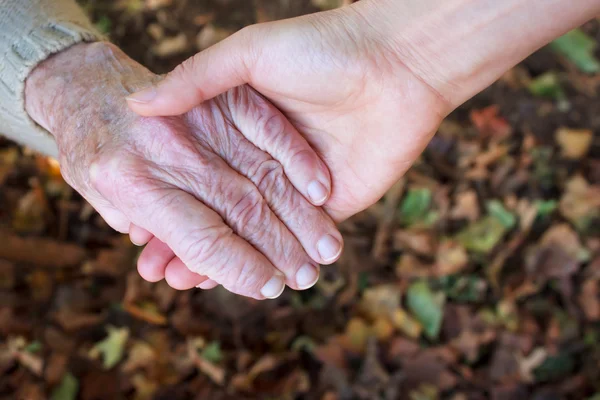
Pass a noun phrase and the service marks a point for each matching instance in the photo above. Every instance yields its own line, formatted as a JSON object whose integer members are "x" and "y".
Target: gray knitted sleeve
{"x": 30, "y": 31}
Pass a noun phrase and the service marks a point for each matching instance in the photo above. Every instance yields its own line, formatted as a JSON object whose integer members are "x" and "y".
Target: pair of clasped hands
{"x": 234, "y": 169}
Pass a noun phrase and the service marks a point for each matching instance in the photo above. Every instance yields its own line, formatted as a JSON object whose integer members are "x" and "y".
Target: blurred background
{"x": 476, "y": 277}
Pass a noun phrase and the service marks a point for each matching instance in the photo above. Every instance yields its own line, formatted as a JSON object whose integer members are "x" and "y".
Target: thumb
{"x": 201, "y": 77}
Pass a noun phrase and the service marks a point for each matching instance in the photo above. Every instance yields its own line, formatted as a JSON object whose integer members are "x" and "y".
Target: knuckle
{"x": 303, "y": 156}
{"x": 121, "y": 177}
{"x": 271, "y": 125}
{"x": 270, "y": 179}
{"x": 249, "y": 212}
{"x": 162, "y": 136}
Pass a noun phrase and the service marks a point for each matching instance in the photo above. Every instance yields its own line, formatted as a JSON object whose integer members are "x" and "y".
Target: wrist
{"x": 459, "y": 47}
{"x": 84, "y": 80}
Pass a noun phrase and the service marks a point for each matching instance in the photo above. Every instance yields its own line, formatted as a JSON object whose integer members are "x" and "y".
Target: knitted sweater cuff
{"x": 31, "y": 31}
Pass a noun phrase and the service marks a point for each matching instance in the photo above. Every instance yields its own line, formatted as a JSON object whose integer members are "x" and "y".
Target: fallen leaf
{"x": 212, "y": 352}
{"x": 579, "y": 48}
{"x": 140, "y": 355}
{"x": 406, "y": 324}
{"x": 530, "y": 363}
{"x": 466, "y": 206}
{"x": 489, "y": 123}
{"x": 415, "y": 206}
{"x": 589, "y": 299}
{"x": 146, "y": 311}
{"x": 72, "y": 321}
{"x": 496, "y": 209}
{"x": 171, "y": 45}
{"x": 419, "y": 242}
{"x": 546, "y": 85}
{"x": 574, "y": 143}
{"x": 144, "y": 388}
{"x": 156, "y": 4}
{"x": 67, "y": 389}
{"x": 580, "y": 203}
{"x": 112, "y": 347}
{"x": 451, "y": 258}
{"x": 483, "y": 235}
{"x": 427, "y": 306}
{"x": 330, "y": 4}
{"x": 40, "y": 252}
{"x": 381, "y": 301}
{"x": 211, "y": 35}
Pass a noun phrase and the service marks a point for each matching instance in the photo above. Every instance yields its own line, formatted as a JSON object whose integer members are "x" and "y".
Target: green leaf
{"x": 415, "y": 206}
{"x": 545, "y": 207}
{"x": 68, "y": 388}
{"x": 427, "y": 306}
{"x": 33, "y": 347}
{"x": 496, "y": 209}
{"x": 465, "y": 288}
{"x": 579, "y": 48}
{"x": 303, "y": 343}
{"x": 483, "y": 235}
{"x": 212, "y": 352}
{"x": 554, "y": 368}
{"x": 546, "y": 85}
{"x": 104, "y": 24}
{"x": 111, "y": 348}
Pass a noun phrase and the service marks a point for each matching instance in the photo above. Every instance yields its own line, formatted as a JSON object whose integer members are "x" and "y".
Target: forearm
{"x": 82, "y": 90}
{"x": 30, "y": 31}
{"x": 459, "y": 47}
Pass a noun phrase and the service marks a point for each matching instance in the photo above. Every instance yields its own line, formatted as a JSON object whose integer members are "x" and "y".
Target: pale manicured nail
{"x": 307, "y": 276}
{"x": 317, "y": 192}
{"x": 143, "y": 96}
{"x": 273, "y": 288}
{"x": 329, "y": 248}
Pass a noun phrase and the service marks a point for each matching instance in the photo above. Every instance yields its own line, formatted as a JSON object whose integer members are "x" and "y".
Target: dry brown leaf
{"x": 170, "y": 46}
{"x": 210, "y": 35}
{"x": 574, "y": 143}
{"x": 589, "y": 299}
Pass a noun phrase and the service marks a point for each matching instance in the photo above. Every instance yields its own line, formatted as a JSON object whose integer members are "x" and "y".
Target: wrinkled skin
{"x": 341, "y": 83}
{"x": 210, "y": 189}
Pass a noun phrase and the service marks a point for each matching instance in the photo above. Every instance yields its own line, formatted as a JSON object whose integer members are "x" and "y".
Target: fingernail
{"x": 329, "y": 248}
{"x": 317, "y": 192}
{"x": 207, "y": 284}
{"x": 307, "y": 276}
{"x": 143, "y": 96}
{"x": 273, "y": 288}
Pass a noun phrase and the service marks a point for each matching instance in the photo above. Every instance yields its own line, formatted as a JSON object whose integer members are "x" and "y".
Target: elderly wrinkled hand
{"x": 221, "y": 193}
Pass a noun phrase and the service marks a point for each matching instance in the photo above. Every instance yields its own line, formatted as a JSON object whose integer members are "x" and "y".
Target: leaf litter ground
{"x": 476, "y": 277}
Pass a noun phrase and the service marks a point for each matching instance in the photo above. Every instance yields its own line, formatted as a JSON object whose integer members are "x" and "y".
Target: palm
{"x": 368, "y": 127}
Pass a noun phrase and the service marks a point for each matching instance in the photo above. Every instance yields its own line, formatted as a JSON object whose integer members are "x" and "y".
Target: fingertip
{"x": 330, "y": 248}
{"x": 307, "y": 276}
{"x": 149, "y": 273}
{"x": 139, "y": 236}
{"x": 153, "y": 260}
{"x": 179, "y": 277}
{"x": 274, "y": 287}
